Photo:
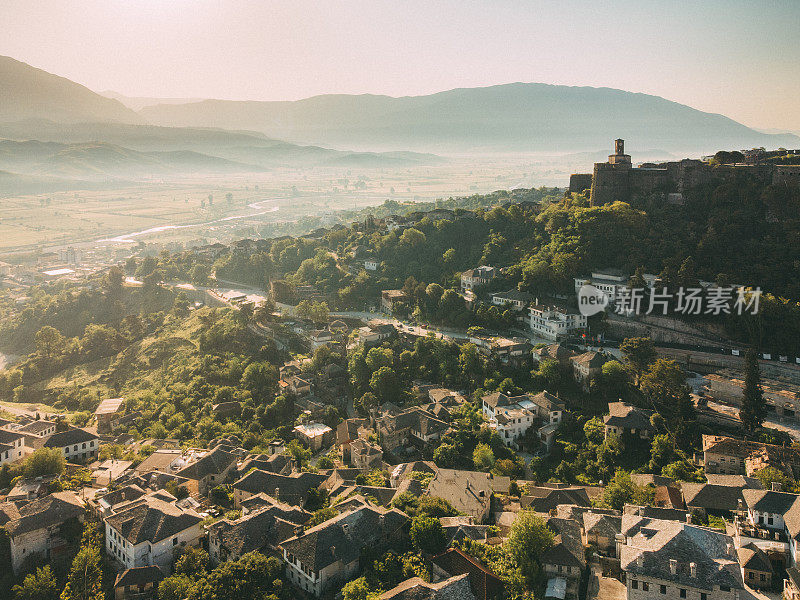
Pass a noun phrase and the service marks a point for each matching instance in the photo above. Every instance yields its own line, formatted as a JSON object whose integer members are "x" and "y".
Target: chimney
{"x": 277, "y": 493}
{"x": 693, "y": 569}
{"x": 673, "y": 566}
{"x": 640, "y": 560}
{"x": 729, "y": 547}
{"x": 776, "y": 486}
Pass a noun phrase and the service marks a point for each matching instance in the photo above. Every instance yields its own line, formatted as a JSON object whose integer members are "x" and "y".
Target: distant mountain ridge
{"x": 509, "y": 117}
{"x": 30, "y": 93}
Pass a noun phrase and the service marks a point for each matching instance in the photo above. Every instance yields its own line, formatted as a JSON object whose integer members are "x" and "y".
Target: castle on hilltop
{"x": 617, "y": 179}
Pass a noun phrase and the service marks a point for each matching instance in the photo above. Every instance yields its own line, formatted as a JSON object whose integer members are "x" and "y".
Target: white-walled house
{"x": 151, "y": 531}
{"x": 12, "y": 446}
{"x": 554, "y": 323}
{"x": 77, "y": 445}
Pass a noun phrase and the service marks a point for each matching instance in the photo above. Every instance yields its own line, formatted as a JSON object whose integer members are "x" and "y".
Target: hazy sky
{"x": 738, "y": 58}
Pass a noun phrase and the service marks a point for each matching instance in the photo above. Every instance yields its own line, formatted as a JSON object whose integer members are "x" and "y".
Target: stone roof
{"x": 36, "y": 427}
{"x": 292, "y": 489}
{"x": 122, "y": 494}
{"x": 44, "y": 512}
{"x": 753, "y": 558}
{"x": 151, "y": 519}
{"x": 341, "y": 538}
{"x": 711, "y": 496}
{"x": 627, "y": 416}
{"x": 768, "y": 501}
{"x": 545, "y": 499}
{"x": 160, "y": 460}
{"x": 484, "y": 583}
{"x": 591, "y": 360}
{"x": 109, "y": 406}
{"x": 467, "y": 491}
{"x": 215, "y": 462}
{"x": 556, "y": 351}
{"x": 454, "y": 588}
{"x": 567, "y": 548}
{"x": 602, "y": 525}
{"x": 275, "y": 463}
{"x": 70, "y": 437}
{"x": 253, "y": 532}
{"x": 287, "y": 512}
{"x": 139, "y": 576}
{"x": 652, "y": 543}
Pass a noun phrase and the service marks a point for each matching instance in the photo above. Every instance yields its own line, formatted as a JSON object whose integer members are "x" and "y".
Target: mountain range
{"x": 513, "y": 117}
{"x": 57, "y": 128}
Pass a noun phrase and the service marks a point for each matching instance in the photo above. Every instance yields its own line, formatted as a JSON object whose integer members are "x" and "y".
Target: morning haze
{"x": 399, "y": 300}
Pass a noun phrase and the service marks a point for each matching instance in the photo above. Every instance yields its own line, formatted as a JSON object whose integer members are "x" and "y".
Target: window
{"x": 663, "y": 589}
{"x": 646, "y": 587}
{"x": 683, "y": 593}
{"x": 725, "y": 588}
{"x": 174, "y": 541}
{"x": 750, "y": 575}
{"x": 703, "y": 596}
{"x": 634, "y": 584}
{"x": 763, "y": 576}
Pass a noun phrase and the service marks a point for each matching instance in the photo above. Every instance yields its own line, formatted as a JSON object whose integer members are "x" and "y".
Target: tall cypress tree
{"x": 754, "y": 408}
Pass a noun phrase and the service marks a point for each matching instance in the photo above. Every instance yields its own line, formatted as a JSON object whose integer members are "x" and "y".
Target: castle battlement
{"x": 617, "y": 179}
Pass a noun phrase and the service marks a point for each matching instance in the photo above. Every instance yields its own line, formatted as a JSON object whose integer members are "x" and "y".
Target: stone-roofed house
{"x": 287, "y": 512}
{"x": 34, "y": 529}
{"x": 624, "y": 419}
{"x": 557, "y": 352}
{"x": 107, "y": 413}
{"x": 261, "y": 531}
{"x": 106, "y": 502}
{"x": 291, "y": 489}
{"x": 138, "y": 583}
{"x": 151, "y": 531}
{"x": 77, "y": 445}
{"x": 469, "y": 492}
{"x": 12, "y": 446}
{"x": 364, "y": 455}
{"x": 601, "y": 531}
{"x": 472, "y": 278}
{"x": 209, "y": 470}
{"x": 328, "y": 553}
{"x": 718, "y": 498}
{"x": 485, "y": 584}
{"x": 757, "y": 570}
{"x": 283, "y": 464}
{"x": 160, "y": 460}
{"x": 454, "y": 588}
{"x": 546, "y": 499}
{"x": 677, "y": 560}
{"x": 588, "y": 366}
{"x": 565, "y": 559}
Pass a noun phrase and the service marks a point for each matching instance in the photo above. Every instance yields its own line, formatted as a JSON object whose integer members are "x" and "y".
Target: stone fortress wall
{"x": 618, "y": 180}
